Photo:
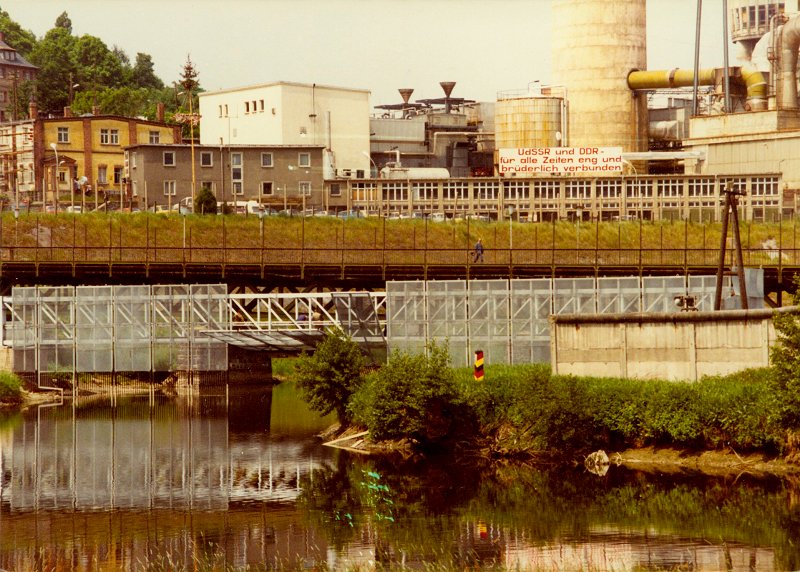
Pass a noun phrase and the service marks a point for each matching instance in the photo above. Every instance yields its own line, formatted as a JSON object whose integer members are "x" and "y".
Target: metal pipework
{"x": 790, "y": 42}
{"x": 662, "y": 79}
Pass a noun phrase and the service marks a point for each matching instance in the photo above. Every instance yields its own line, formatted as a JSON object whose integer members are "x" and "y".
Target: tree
{"x": 331, "y": 375}
{"x": 21, "y": 40}
{"x": 143, "y": 75}
{"x": 205, "y": 202}
{"x": 414, "y": 396}
{"x": 63, "y": 21}
{"x": 53, "y": 55}
{"x": 785, "y": 355}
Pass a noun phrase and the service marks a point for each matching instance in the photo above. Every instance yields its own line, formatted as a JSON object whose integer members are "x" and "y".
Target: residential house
{"x": 14, "y": 69}
{"x": 287, "y": 176}
{"x": 85, "y": 155}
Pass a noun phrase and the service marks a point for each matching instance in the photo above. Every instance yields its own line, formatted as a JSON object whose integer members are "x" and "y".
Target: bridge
{"x": 245, "y": 268}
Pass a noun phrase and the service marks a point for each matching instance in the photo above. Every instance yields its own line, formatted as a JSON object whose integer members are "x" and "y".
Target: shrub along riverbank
{"x": 524, "y": 412}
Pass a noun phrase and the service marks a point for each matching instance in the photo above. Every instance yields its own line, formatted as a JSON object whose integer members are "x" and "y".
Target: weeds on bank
{"x": 10, "y": 387}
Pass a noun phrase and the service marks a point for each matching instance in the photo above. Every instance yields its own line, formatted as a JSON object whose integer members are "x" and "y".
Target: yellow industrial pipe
{"x": 662, "y": 79}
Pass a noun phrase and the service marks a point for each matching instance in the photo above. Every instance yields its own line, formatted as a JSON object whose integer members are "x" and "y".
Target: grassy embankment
{"x": 99, "y": 236}
{"x": 524, "y": 412}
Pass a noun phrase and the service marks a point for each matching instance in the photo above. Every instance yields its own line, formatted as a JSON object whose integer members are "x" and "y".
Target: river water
{"x": 237, "y": 481}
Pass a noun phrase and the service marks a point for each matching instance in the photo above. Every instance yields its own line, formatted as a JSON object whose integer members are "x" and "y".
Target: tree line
{"x": 83, "y": 73}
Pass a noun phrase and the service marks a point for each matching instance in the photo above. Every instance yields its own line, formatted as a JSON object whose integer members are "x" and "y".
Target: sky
{"x": 485, "y": 46}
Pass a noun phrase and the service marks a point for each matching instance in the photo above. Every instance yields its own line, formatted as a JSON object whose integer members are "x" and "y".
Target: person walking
{"x": 478, "y": 252}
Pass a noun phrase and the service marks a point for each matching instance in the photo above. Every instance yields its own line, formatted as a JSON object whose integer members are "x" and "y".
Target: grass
{"x": 10, "y": 388}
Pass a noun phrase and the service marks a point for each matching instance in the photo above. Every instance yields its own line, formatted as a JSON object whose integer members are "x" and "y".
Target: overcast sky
{"x": 485, "y": 46}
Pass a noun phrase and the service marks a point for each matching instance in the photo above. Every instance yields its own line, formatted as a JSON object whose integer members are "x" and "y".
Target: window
{"x": 266, "y": 159}
{"x": 236, "y": 166}
{"x": 133, "y": 159}
{"x": 305, "y": 188}
{"x": 208, "y": 186}
{"x": 261, "y": 105}
{"x": 169, "y": 158}
{"x": 206, "y": 159}
{"x": 336, "y": 190}
{"x": 247, "y": 107}
{"x": 63, "y": 134}
{"x": 237, "y": 188}
{"x": 169, "y": 188}
{"x": 109, "y": 136}
{"x": 102, "y": 174}
{"x": 155, "y": 138}
{"x": 266, "y": 187}
{"x": 117, "y": 175}
{"x": 304, "y": 159}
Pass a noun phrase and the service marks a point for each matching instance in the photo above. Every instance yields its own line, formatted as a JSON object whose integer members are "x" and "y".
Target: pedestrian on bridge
{"x": 478, "y": 252}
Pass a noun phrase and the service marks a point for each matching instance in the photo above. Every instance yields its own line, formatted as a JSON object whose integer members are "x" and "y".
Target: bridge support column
{"x": 249, "y": 366}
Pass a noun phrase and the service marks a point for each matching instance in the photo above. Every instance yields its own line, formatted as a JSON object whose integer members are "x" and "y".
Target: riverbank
{"x": 657, "y": 460}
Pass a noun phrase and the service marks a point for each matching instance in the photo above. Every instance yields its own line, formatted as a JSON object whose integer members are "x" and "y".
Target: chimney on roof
{"x": 33, "y": 110}
{"x": 68, "y": 111}
{"x": 95, "y": 110}
{"x": 2, "y": 37}
{"x": 160, "y": 112}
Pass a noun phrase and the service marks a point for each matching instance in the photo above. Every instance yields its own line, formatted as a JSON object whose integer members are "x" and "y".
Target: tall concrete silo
{"x": 596, "y": 43}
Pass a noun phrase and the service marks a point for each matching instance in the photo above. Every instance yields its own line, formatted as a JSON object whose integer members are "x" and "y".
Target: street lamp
{"x": 54, "y": 147}
{"x": 368, "y": 156}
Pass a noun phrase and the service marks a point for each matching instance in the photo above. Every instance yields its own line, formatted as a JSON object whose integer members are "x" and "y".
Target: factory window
{"x": 701, "y": 187}
{"x": 169, "y": 188}
{"x": 226, "y": 110}
{"x": 670, "y": 187}
{"x": 305, "y": 188}
{"x": 609, "y": 188}
{"x": 169, "y": 158}
{"x": 254, "y": 106}
{"x": 764, "y": 186}
{"x": 547, "y": 190}
{"x": 109, "y": 136}
{"x": 738, "y": 184}
{"x": 266, "y": 160}
{"x": 454, "y": 190}
{"x": 516, "y": 190}
{"x": 363, "y": 191}
{"x": 266, "y": 188}
{"x": 154, "y": 137}
{"x": 220, "y": 111}
{"x": 206, "y": 159}
{"x": 638, "y": 188}
{"x": 304, "y": 159}
{"x": 580, "y": 189}
{"x": 63, "y": 134}
{"x": 395, "y": 192}
{"x": 247, "y": 107}
{"x": 485, "y": 190}
{"x": 424, "y": 191}
{"x": 261, "y": 105}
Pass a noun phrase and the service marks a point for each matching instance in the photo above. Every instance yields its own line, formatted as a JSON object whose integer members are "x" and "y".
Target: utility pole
{"x": 731, "y": 203}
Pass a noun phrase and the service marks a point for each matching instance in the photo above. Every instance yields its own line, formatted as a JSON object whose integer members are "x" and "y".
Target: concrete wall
{"x": 685, "y": 346}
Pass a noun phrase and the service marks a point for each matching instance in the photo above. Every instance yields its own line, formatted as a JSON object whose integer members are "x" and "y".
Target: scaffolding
{"x": 508, "y": 320}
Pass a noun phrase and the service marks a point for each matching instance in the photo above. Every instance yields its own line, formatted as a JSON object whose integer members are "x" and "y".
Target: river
{"x": 238, "y": 481}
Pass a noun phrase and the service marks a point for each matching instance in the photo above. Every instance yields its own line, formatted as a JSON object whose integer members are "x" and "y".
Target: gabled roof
{"x": 17, "y": 60}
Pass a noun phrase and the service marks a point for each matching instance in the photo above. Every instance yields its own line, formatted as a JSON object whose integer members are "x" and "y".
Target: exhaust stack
{"x": 447, "y": 87}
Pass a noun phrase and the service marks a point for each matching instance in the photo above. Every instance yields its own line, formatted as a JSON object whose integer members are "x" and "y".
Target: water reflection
{"x": 230, "y": 481}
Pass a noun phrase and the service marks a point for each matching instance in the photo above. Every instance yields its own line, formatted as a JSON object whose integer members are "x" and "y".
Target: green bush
{"x": 330, "y": 375}
{"x": 414, "y": 397}
{"x": 10, "y": 387}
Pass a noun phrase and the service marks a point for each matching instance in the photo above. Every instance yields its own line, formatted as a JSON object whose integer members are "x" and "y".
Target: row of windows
{"x": 207, "y": 159}
{"x": 573, "y": 190}
{"x": 268, "y": 188}
{"x": 11, "y": 72}
{"x": 107, "y": 136}
{"x": 250, "y": 106}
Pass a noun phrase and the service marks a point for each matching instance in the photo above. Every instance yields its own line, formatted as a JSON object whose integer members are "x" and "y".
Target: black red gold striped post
{"x": 478, "y": 365}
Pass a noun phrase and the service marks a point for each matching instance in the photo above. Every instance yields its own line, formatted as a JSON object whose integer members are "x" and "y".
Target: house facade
{"x": 285, "y": 113}
{"x": 85, "y": 155}
{"x": 278, "y": 177}
{"x": 14, "y": 69}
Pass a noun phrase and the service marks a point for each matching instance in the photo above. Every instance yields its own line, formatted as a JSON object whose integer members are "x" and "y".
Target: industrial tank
{"x": 527, "y": 122}
{"x": 596, "y": 43}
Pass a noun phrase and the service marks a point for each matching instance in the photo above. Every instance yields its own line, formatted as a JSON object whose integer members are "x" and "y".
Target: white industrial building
{"x": 286, "y": 113}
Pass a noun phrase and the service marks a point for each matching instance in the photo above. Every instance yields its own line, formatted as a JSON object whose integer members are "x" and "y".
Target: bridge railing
{"x": 390, "y": 256}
